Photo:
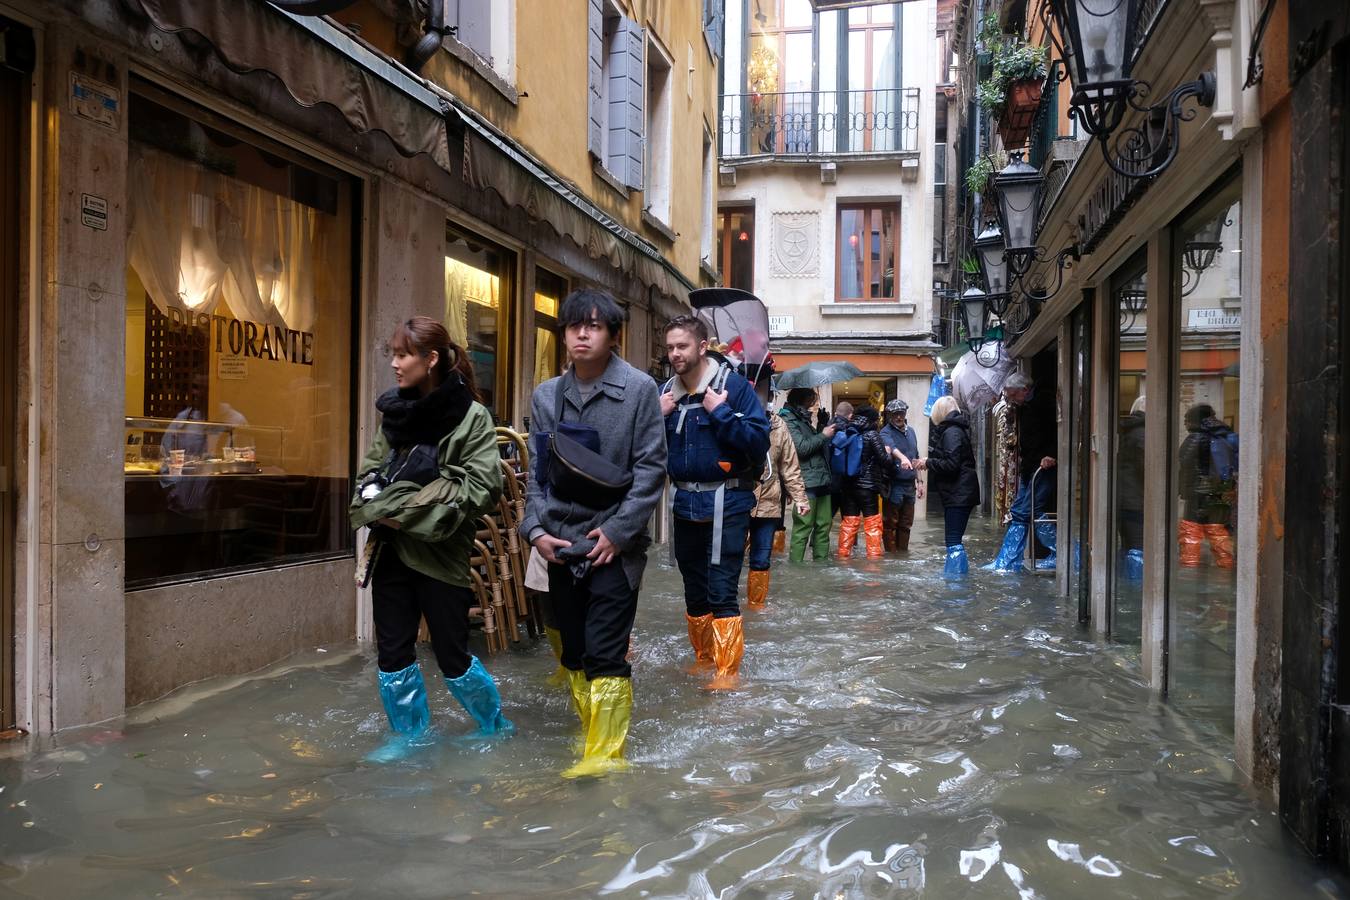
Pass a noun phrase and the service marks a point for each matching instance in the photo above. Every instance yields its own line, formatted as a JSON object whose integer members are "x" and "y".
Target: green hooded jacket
{"x": 438, "y": 522}
{"x": 813, "y": 448}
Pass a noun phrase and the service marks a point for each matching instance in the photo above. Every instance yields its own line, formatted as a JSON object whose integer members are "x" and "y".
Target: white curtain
{"x": 199, "y": 238}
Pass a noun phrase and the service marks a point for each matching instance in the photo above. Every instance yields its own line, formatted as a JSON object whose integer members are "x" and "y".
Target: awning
{"x": 313, "y": 60}
{"x": 492, "y": 161}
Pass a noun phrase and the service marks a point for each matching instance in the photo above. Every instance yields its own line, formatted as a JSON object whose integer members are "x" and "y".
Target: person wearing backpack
{"x": 594, "y": 538}
{"x": 952, "y": 476}
{"x": 813, "y": 454}
{"x": 782, "y": 481}
{"x": 863, "y": 462}
{"x": 717, "y": 437}
{"x": 1207, "y": 474}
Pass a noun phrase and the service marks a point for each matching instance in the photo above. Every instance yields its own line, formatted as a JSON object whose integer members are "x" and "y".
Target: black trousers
{"x": 954, "y": 520}
{"x": 859, "y": 501}
{"x": 402, "y": 597}
{"x": 595, "y": 616}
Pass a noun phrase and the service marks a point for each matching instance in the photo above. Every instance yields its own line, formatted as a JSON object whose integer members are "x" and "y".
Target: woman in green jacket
{"x": 813, "y": 452}
{"x": 431, "y": 472}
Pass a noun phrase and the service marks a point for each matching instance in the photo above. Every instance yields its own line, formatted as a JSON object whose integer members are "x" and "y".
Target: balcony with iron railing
{"x": 820, "y": 123}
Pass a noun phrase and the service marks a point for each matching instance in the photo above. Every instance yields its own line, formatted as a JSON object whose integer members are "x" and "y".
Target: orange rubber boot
{"x": 1190, "y": 535}
{"x": 701, "y": 639}
{"x": 848, "y": 534}
{"x": 872, "y": 528}
{"x": 728, "y": 649}
{"x": 757, "y": 588}
{"x": 1221, "y": 545}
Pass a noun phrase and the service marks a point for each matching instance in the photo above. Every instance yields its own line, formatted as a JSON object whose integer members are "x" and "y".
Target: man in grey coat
{"x": 596, "y": 556}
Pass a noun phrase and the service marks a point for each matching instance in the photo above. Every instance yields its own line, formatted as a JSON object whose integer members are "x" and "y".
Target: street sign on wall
{"x": 780, "y": 324}
{"x": 1214, "y": 319}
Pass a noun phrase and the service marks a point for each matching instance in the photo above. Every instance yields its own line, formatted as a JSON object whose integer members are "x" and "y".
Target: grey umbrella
{"x": 814, "y": 374}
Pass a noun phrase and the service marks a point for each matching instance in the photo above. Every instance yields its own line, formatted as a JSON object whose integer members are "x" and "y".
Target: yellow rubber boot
{"x": 559, "y": 676}
{"x": 701, "y": 639}
{"x": 728, "y": 648}
{"x": 611, "y": 710}
{"x": 580, "y": 689}
{"x": 757, "y": 588}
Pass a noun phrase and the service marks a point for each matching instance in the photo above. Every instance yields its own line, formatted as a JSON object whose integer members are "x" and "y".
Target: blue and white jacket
{"x": 731, "y": 442}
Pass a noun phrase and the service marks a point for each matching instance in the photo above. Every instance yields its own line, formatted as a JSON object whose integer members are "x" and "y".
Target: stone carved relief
{"x": 794, "y": 248}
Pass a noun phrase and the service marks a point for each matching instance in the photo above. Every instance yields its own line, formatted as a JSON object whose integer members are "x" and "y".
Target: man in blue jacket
{"x": 717, "y": 439}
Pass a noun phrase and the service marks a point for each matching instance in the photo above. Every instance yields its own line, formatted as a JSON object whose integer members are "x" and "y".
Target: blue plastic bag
{"x": 939, "y": 387}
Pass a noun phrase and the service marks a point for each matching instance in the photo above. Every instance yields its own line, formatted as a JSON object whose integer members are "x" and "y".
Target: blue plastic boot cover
{"x": 1134, "y": 565}
{"x": 404, "y": 695}
{"x": 957, "y": 561}
{"x": 477, "y": 692}
{"x": 1046, "y": 534}
{"x": 1009, "y": 557}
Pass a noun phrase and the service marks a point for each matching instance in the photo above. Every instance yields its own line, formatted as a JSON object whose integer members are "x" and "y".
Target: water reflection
{"x": 897, "y": 736}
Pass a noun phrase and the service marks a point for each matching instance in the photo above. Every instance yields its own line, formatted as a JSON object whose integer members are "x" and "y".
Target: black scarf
{"x": 409, "y": 418}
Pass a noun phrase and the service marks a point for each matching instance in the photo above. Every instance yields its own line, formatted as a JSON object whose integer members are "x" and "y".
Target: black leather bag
{"x": 576, "y": 472}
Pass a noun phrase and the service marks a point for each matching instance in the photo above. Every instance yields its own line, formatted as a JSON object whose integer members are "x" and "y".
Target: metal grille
{"x": 799, "y": 123}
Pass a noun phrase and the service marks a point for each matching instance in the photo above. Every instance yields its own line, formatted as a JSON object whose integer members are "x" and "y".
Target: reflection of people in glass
{"x": 1207, "y": 474}
{"x": 432, "y": 470}
{"x": 190, "y": 433}
{"x": 1130, "y": 490}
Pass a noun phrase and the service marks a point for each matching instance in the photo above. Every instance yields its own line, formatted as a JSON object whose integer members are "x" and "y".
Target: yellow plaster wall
{"x": 550, "y": 116}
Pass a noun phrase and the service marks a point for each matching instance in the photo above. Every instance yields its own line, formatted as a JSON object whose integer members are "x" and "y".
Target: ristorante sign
{"x": 249, "y": 339}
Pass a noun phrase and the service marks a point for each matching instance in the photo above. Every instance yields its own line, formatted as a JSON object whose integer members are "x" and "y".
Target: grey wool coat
{"x": 626, "y": 411}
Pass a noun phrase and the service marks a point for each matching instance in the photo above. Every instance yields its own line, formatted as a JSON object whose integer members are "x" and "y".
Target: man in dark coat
{"x": 1037, "y": 440}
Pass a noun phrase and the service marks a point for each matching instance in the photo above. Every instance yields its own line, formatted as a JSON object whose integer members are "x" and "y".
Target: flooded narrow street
{"x": 896, "y": 735}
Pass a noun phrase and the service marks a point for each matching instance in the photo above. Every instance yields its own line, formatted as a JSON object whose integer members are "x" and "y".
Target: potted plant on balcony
{"x": 1012, "y": 92}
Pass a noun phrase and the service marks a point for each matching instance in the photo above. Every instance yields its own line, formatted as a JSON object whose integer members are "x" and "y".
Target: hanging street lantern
{"x": 989, "y": 250}
{"x": 973, "y": 305}
{"x": 1098, "y": 42}
{"x": 1019, "y": 188}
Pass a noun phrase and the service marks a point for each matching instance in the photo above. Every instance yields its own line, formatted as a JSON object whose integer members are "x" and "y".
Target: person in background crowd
{"x": 813, "y": 454}
{"x": 718, "y": 439}
{"x": 951, "y": 464}
{"x": 840, "y": 421}
{"x": 1207, "y": 482}
{"x": 860, "y": 492}
{"x": 1037, "y": 439}
{"x": 782, "y": 477}
{"x": 897, "y": 506}
{"x": 596, "y": 553}
{"x": 431, "y": 471}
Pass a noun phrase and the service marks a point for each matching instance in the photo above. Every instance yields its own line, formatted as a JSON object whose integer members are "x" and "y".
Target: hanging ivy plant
{"x": 1014, "y": 60}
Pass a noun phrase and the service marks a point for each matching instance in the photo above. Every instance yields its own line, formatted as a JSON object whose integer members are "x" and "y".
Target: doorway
{"x": 13, "y": 91}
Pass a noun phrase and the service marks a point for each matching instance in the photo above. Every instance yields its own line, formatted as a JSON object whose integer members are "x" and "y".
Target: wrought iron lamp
{"x": 1199, "y": 253}
{"x": 1097, "y": 39}
{"x": 1019, "y": 189}
{"x": 974, "y": 307}
{"x": 1133, "y": 301}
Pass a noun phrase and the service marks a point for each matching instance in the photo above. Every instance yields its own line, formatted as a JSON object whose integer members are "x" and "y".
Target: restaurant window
{"x": 736, "y": 248}
{"x": 479, "y": 281}
{"x": 239, "y": 298}
{"x": 1206, "y": 461}
{"x": 868, "y": 248}
{"x": 549, "y": 291}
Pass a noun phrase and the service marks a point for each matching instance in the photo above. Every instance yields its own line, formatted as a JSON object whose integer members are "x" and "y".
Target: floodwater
{"x": 896, "y": 736}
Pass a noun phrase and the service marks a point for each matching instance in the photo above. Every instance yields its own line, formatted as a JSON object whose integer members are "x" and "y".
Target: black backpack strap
{"x": 559, "y": 401}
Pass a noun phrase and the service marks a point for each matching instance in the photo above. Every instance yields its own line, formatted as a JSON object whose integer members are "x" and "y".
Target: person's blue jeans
{"x": 1045, "y": 497}
{"x": 761, "y": 543}
{"x": 711, "y": 588}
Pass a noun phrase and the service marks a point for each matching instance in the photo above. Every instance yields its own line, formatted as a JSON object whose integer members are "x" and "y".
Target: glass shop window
{"x": 1206, "y": 457}
{"x": 479, "y": 280}
{"x": 238, "y": 350}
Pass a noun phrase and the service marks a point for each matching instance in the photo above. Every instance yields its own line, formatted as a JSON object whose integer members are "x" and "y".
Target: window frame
{"x": 870, "y": 206}
{"x": 724, "y": 214}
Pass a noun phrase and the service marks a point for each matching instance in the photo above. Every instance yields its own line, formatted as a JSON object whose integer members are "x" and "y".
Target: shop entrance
{"x": 12, "y": 90}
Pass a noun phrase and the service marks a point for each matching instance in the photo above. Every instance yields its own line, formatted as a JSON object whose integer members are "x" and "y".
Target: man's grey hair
{"x": 1018, "y": 382}
{"x": 843, "y": 408}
